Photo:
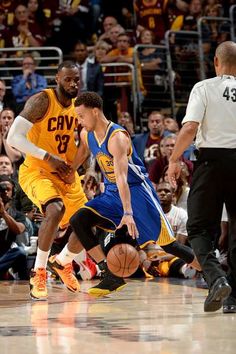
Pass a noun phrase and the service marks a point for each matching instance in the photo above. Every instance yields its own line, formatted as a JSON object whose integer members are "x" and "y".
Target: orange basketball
{"x": 123, "y": 260}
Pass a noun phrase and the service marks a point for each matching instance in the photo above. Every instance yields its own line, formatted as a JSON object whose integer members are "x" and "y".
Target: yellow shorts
{"x": 41, "y": 186}
{"x": 164, "y": 267}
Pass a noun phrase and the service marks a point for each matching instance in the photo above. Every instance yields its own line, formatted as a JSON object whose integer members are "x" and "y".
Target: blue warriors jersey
{"x": 148, "y": 215}
{"x": 136, "y": 170}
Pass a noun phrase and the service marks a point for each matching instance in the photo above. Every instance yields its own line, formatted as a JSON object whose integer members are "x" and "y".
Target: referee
{"x": 211, "y": 117}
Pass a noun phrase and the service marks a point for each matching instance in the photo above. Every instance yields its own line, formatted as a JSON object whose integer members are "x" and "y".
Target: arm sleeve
{"x": 17, "y": 138}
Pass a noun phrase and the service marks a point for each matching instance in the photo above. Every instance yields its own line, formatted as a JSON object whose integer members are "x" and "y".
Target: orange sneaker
{"x": 65, "y": 273}
{"x": 38, "y": 288}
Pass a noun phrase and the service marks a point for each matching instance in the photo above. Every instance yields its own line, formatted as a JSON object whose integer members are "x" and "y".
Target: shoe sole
{"x": 38, "y": 298}
{"x": 100, "y": 292}
{"x": 54, "y": 271}
{"x": 43, "y": 298}
{"x": 217, "y": 301}
{"x": 229, "y": 309}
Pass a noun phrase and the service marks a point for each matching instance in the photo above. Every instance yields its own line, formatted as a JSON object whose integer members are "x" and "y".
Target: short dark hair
{"x": 6, "y": 178}
{"x": 89, "y": 100}
{"x": 68, "y": 64}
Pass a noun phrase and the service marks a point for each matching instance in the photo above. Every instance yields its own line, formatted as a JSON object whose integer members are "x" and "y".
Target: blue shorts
{"x": 150, "y": 220}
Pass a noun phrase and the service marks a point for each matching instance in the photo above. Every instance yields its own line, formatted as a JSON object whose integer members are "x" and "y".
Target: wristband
{"x": 128, "y": 213}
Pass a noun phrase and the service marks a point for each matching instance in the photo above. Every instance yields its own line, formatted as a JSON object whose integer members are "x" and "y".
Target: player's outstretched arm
{"x": 119, "y": 147}
{"x": 35, "y": 109}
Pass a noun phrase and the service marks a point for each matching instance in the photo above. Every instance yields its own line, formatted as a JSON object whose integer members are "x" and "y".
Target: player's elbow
{"x": 11, "y": 138}
{"x": 191, "y": 128}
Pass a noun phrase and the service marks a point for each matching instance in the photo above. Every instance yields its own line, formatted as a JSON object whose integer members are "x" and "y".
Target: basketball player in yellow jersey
{"x": 44, "y": 131}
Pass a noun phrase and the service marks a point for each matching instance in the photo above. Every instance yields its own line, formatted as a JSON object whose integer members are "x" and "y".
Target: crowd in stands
{"x": 99, "y": 35}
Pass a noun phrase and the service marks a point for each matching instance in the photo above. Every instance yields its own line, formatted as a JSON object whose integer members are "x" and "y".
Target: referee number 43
{"x": 230, "y": 94}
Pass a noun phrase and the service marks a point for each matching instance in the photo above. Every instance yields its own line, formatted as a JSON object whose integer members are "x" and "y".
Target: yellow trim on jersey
{"x": 165, "y": 238}
{"x": 86, "y": 139}
{"x": 97, "y": 213}
{"x": 56, "y": 98}
{"x": 51, "y": 198}
{"x": 127, "y": 134}
{"x": 96, "y": 138}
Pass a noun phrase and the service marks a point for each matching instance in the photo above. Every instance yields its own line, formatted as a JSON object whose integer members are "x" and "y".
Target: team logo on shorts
{"x": 106, "y": 164}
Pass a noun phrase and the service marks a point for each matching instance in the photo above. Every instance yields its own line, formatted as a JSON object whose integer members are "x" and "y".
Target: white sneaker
{"x": 188, "y": 272}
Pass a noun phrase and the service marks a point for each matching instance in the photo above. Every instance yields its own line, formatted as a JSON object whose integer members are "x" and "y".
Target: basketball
{"x": 123, "y": 260}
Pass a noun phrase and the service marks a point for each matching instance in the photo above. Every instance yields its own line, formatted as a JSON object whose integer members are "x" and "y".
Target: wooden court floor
{"x": 163, "y": 316}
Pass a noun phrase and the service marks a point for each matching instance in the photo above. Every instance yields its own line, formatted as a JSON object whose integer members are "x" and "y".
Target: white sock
{"x": 41, "y": 259}
{"x": 65, "y": 256}
{"x": 81, "y": 256}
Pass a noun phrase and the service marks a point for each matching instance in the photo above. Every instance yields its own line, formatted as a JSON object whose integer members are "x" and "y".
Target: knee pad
{"x": 82, "y": 223}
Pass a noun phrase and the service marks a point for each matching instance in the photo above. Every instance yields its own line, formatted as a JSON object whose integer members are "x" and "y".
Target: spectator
{"x": 126, "y": 121}
{"x": 150, "y": 58}
{"x": 171, "y": 125}
{"x": 12, "y": 223}
{"x": 152, "y": 15}
{"x": 91, "y": 75}
{"x": 160, "y": 164}
{"x": 115, "y": 31}
{"x": 25, "y": 33}
{"x": 96, "y": 8}
{"x": 100, "y": 50}
{"x": 6, "y": 167}
{"x": 147, "y": 144}
{"x": 108, "y": 23}
{"x": 7, "y": 117}
{"x": 176, "y": 216}
{"x": 8, "y": 7}
{"x": 2, "y": 94}
{"x": 28, "y": 83}
{"x": 75, "y": 19}
{"x": 121, "y": 9}
{"x": 3, "y": 35}
{"x": 36, "y": 13}
{"x": 154, "y": 71}
{"x": 123, "y": 53}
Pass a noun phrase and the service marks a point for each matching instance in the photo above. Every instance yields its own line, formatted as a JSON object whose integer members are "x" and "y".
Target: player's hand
{"x": 173, "y": 173}
{"x": 58, "y": 164}
{"x": 128, "y": 220}
{"x": 68, "y": 177}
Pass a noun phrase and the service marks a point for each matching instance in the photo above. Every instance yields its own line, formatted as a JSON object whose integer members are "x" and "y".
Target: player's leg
{"x": 44, "y": 193}
{"x": 73, "y": 198}
{"x": 183, "y": 252}
{"x": 82, "y": 223}
{"x": 53, "y": 212}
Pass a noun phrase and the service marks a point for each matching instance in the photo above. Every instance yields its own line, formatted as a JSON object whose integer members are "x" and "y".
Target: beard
{"x": 66, "y": 93}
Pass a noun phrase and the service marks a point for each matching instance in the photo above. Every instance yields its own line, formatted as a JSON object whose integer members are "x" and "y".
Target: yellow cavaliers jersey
{"x": 54, "y": 132}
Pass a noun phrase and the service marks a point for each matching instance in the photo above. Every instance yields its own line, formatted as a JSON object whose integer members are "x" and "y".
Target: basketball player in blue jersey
{"x": 129, "y": 198}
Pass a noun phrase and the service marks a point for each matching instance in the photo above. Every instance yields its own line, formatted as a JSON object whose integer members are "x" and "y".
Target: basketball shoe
{"x": 109, "y": 283}
{"x": 38, "y": 288}
{"x": 65, "y": 273}
{"x": 87, "y": 269}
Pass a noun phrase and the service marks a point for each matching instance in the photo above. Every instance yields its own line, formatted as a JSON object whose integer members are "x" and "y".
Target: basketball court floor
{"x": 163, "y": 316}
